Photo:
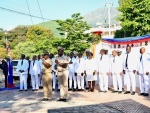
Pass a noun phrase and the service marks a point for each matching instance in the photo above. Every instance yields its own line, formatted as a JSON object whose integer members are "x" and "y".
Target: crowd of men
{"x": 78, "y": 73}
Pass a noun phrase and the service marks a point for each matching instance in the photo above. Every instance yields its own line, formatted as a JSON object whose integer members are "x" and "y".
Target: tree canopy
{"x": 74, "y": 29}
{"x": 33, "y": 40}
{"x": 135, "y": 16}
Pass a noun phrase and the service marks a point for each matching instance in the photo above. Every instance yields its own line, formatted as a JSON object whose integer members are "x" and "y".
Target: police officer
{"x": 47, "y": 76}
{"x": 62, "y": 62}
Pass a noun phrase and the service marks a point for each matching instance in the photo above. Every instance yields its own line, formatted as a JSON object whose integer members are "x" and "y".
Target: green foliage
{"x": 27, "y": 48}
{"x": 36, "y": 33}
{"x": 74, "y": 29}
{"x": 51, "y": 25}
{"x": 122, "y": 33}
{"x": 135, "y": 16}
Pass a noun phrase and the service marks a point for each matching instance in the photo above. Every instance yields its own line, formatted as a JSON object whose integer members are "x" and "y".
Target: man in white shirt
{"x": 116, "y": 71}
{"x": 80, "y": 68}
{"x": 130, "y": 67}
{"x": 35, "y": 72}
{"x": 85, "y": 58}
{"x": 143, "y": 72}
{"x": 22, "y": 67}
{"x": 103, "y": 71}
{"x": 40, "y": 83}
{"x": 72, "y": 74}
{"x": 54, "y": 72}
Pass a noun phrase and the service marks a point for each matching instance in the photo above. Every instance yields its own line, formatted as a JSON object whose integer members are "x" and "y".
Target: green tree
{"x": 36, "y": 33}
{"x": 74, "y": 29}
{"x": 28, "y": 48}
{"x": 135, "y": 16}
{"x": 122, "y": 33}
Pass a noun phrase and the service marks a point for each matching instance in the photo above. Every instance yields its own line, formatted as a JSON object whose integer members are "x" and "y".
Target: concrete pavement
{"x": 13, "y": 101}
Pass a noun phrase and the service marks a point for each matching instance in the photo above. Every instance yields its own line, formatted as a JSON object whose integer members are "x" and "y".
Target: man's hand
{"x": 56, "y": 61}
{"x": 107, "y": 73}
{"x": 120, "y": 73}
{"x": 70, "y": 62}
{"x": 134, "y": 71}
{"x": 75, "y": 74}
{"x": 137, "y": 73}
{"x": 124, "y": 72}
{"x": 147, "y": 73}
{"x": 94, "y": 73}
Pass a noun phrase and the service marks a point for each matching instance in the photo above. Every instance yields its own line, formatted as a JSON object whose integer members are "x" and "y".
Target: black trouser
{"x": 29, "y": 81}
{"x": 5, "y": 80}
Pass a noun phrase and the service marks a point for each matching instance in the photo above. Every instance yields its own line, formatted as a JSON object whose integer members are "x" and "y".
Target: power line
{"x": 29, "y": 11}
{"x": 40, "y": 10}
{"x": 22, "y": 13}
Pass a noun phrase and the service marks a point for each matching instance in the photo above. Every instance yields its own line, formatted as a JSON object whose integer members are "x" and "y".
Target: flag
{"x": 7, "y": 45}
{"x": 10, "y": 75}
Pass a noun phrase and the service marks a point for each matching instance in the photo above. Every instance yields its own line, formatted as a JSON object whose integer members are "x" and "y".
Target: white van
{"x": 15, "y": 70}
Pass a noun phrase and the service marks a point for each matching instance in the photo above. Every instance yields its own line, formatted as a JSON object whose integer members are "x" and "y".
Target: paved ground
{"x": 13, "y": 101}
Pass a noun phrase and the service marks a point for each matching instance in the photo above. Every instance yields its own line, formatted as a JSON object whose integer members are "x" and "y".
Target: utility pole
{"x": 109, "y": 4}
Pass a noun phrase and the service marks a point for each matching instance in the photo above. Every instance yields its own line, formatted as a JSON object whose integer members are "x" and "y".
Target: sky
{"x": 51, "y": 9}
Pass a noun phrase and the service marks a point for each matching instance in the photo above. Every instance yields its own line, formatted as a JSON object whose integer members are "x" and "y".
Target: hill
{"x": 52, "y": 25}
{"x": 99, "y": 15}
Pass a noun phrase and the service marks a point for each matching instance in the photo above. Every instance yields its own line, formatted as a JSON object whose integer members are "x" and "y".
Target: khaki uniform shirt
{"x": 62, "y": 59}
{"x": 47, "y": 70}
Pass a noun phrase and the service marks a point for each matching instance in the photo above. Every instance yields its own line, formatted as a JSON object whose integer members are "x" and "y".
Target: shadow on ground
{"x": 123, "y": 106}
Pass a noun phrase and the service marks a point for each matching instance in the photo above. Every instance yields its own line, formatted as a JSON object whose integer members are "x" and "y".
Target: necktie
{"x": 114, "y": 60}
{"x": 22, "y": 62}
{"x": 141, "y": 58}
{"x": 33, "y": 62}
{"x": 127, "y": 61}
{"x": 101, "y": 58}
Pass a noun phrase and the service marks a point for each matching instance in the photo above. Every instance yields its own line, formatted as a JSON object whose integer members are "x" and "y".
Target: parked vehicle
{"x": 15, "y": 70}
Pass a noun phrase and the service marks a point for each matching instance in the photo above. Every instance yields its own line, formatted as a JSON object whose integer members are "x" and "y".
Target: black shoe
{"x": 20, "y": 90}
{"x": 133, "y": 93}
{"x": 36, "y": 90}
{"x": 60, "y": 100}
{"x": 52, "y": 89}
{"x": 87, "y": 88}
{"x": 40, "y": 87}
{"x": 69, "y": 89}
{"x": 65, "y": 100}
{"x": 58, "y": 90}
{"x": 45, "y": 99}
{"x": 142, "y": 94}
{"x": 119, "y": 92}
{"x": 127, "y": 92}
{"x": 79, "y": 90}
{"x": 114, "y": 91}
{"x": 146, "y": 94}
{"x": 25, "y": 90}
{"x": 74, "y": 90}
{"x": 33, "y": 89}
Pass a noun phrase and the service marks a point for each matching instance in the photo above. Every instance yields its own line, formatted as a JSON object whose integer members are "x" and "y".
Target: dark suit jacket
{"x": 5, "y": 67}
